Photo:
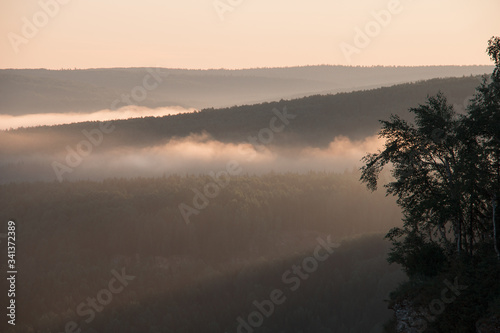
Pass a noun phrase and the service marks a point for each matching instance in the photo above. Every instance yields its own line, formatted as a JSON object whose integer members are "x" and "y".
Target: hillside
{"x": 29, "y": 91}
{"x": 206, "y": 140}
{"x": 319, "y": 118}
{"x": 201, "y": 276}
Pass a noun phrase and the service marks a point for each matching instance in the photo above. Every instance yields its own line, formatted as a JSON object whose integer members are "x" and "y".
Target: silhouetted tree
{"x": 482, "y": 124}
{"x": 447, "y": 176}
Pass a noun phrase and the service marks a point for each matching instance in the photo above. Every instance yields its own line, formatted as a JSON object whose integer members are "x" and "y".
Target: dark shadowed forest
{"x": 203, "y": 275}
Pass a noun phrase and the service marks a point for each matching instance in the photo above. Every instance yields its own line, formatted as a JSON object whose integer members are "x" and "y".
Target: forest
{"x": 231, "y": 166}
{"x": 26, "y": 91}
{"x": 319, "y": 120}
{"x": 204, "y": 275}
{"x": 302, "y": 251}
{"x": 322, "y": 117}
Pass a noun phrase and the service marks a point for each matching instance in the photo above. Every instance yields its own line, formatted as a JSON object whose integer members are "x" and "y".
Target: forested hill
{"x": 319, "y": 119}
{"x": 28, "y": 91}
{"x": 201, "y": 276}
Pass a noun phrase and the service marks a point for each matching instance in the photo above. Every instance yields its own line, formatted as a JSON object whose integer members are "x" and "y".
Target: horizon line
{"x": 245, "y": 68}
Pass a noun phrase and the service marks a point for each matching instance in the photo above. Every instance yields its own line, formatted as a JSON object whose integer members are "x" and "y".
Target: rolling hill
{"x": 30, "y": 91}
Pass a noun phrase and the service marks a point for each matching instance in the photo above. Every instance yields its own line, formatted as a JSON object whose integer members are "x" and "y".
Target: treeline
{"x": 203, "y": 275}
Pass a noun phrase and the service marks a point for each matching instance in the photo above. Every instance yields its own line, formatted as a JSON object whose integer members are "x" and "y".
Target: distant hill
{"x": 28, "y": 91}
{"x": 319, "y": 119}
{"x": 28, "y": 153}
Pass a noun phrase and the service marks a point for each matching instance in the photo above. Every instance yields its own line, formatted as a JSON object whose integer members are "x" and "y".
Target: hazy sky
{"x": 248, "y": 33}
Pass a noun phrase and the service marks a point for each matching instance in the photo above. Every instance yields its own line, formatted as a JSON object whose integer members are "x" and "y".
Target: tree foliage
{"x": 446, "y": 169}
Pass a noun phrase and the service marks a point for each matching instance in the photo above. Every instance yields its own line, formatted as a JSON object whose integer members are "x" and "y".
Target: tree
{"x": 482, "y": 124}
{"x": 424, "y": 160}
{"x": 447, "y": 176}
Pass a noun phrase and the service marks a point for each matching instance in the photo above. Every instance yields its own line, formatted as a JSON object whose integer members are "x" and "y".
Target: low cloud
{"x": 197, "y": 154}
{"x": 41, "y": 119}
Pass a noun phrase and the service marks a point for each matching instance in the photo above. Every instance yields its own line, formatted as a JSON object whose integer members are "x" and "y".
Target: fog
{"x": 196, "y": 154}
{"x": 47, "y": 119}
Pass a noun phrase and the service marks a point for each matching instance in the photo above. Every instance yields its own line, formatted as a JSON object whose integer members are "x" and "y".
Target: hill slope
{"x": 206, "y": 140}
{"x": 31, "y": 91}
{"x": 319, "y": 118}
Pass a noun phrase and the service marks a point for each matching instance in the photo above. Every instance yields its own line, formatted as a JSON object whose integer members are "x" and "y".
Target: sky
{"x": 201, "y": 34}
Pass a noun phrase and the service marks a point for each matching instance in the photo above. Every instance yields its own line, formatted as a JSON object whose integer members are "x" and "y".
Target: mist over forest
{"x": 313, "y": 199}
{"x": 322, "y": 133}
{"x": 232, "y": 166}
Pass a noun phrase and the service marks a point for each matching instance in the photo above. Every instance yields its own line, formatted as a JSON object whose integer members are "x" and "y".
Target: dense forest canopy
{"x": 204, "y": 275}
